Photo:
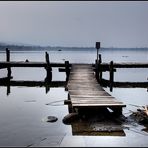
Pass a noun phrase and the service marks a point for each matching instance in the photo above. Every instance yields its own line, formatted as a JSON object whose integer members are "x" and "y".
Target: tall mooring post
{"x": 67, "y": 68}
{"x": 111, "y": 67}
{"x": 97, "y": 61}
{"x": 100, "y": 69}
{"x": 97, "y": 47}
{"x": 8, "y": 60}
{"x": 9, "y": 70}
{"x": 48, "y": 68}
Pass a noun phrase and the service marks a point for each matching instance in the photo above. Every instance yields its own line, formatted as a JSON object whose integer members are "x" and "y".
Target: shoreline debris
{"x": 141, "y": 116}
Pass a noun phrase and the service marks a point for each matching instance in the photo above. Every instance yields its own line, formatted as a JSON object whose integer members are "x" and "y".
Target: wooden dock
{"x": 86, "y": 92}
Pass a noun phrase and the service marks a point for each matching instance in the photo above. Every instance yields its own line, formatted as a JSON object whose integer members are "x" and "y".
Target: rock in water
{"x": 70, "y": 118}
{"x": 52, "y": 119}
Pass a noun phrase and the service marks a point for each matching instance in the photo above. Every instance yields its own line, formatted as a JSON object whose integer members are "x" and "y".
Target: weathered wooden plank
{"x": 84, "y": 90}
{"x": 111, "y": 100}
{"x": 81, "y": 81}
{"x": 81, "y": 85}
{"x": 99, "y": 105}
{"x": 82, "y": 75}
{"x": 93, "y": 93}
{"x": 95, "y": 102}
{"x": 90, "y": 96}
{"x": 95, "y": 99}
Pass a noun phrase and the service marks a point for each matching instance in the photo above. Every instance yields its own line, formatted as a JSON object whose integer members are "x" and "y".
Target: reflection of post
{"x": 8, "y": 87}
{"x": 48, "y": 69}
{"x": 111, "y": 75}
{"x": 47, "y": 87}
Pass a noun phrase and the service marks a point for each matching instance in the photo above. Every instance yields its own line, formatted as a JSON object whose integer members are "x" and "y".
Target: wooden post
{"x": 70, "y": 108}
{"x": 67, "y": 70}
{"x": 100, "y": 70}
{"x": 97, "y": 46}
{"x": 111, "y": 75}
{"x": 97, "y": 70}
{"x": 100, "y": 59}
{"x": 7, "y": 55}
{"x": 48, "y": 68}
{"x": 8, "y": 60}
{"x": 9, "y": 70}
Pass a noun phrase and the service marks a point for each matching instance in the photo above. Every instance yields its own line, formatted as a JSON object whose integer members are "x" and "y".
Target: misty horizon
{"x": 47, "y": 46}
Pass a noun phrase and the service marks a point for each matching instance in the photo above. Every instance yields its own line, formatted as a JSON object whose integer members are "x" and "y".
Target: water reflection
{"x": 96, "y": 122}
{"x": 106, "y": 83}
{"x": 8, "y": 82}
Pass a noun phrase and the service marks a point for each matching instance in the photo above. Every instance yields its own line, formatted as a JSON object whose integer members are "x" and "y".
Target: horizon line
{"x": 58, "y": 46}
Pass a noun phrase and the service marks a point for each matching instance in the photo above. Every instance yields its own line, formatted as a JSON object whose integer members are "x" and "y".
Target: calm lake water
{"x": 24, "y": 111}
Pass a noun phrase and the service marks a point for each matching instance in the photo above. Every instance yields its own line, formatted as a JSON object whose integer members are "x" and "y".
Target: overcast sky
{"x": 75, "y": 23}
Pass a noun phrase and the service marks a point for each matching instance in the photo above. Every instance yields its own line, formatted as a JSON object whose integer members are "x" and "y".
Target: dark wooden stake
{"x": 100, "y": 69}
{"x": 111, "y": 75}
{"x": 48, "y": 69}
{"x": 7, "y": 55}
{"x": 70, "y": 108}
{"x": 97, "y": 47}
{"x": 67, "y": 70}
{"x": 8, "y": 60}
{"x": 9, "y": 70}
{"x": 97, "y": 70}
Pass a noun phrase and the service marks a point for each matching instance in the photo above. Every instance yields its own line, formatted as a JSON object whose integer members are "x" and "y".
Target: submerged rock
{"x": 51, "y": 119}
{"x": 71, "y": 117}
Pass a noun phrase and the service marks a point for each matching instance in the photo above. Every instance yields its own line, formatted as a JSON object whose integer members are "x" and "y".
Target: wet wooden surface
{"x": 85, "y": 91}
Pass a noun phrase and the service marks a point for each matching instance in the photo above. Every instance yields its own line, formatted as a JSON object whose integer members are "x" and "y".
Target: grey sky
{"x": 75, "y": 23}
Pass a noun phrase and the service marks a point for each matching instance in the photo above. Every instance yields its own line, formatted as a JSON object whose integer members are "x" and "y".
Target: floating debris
{"x": 55, "y": 103}
{"x": 141, "y": 116}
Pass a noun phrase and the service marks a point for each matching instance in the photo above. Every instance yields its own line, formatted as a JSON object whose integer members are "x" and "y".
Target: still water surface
{"x": 24, "y": 111}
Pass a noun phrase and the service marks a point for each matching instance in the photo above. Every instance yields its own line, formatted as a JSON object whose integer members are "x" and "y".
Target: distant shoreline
{"x": 60, "y": 48}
